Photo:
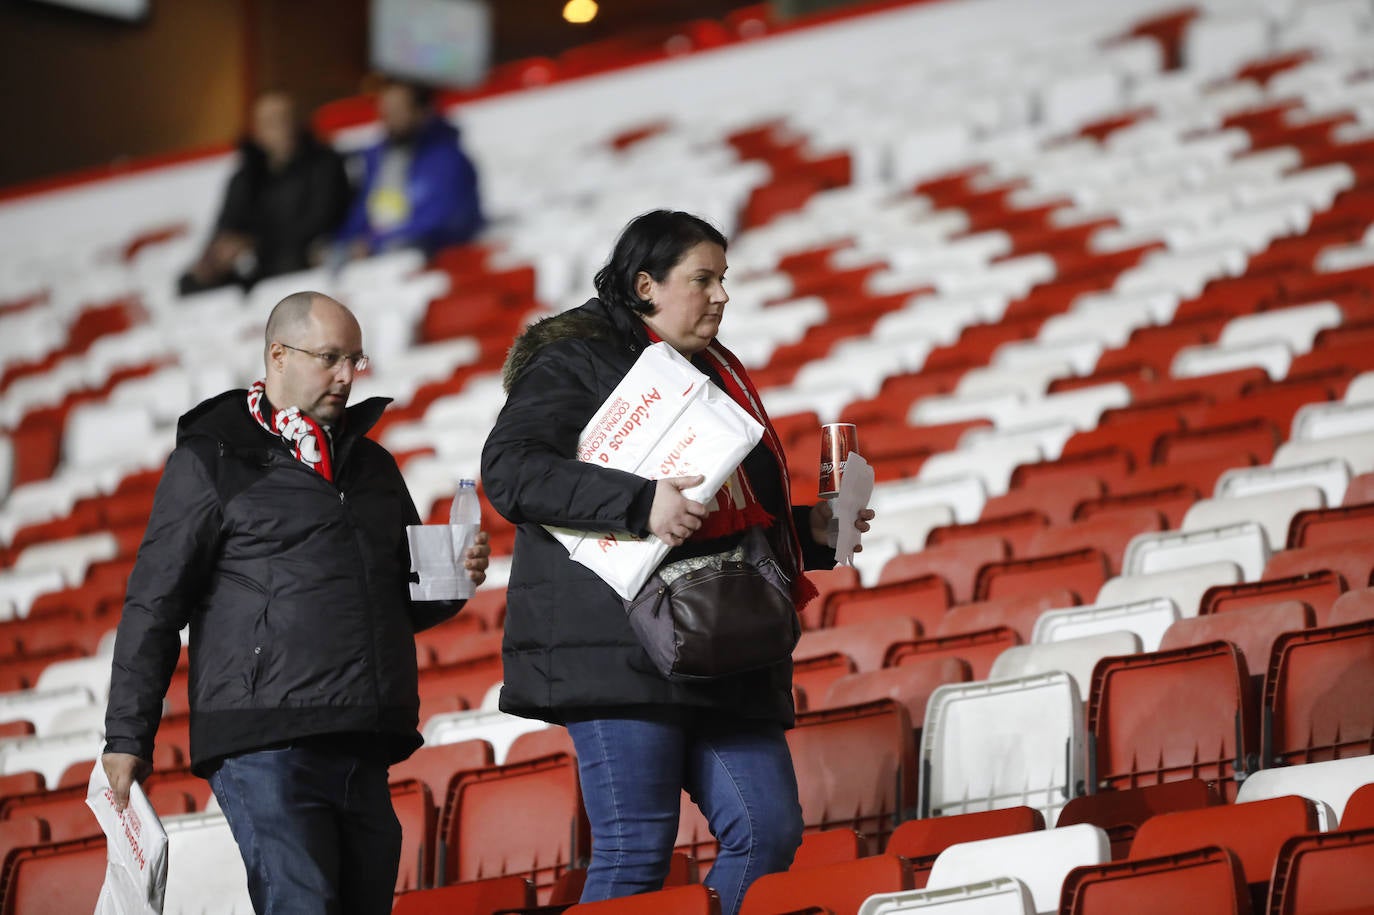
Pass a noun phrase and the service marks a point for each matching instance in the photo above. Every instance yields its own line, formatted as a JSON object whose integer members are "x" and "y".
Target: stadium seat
{"x": 435, "y": 765}
{"x": 1082, "y": 572}
{"x": 1041, "y": 860}
{"x": 831, "y": 887}
{"x": 1351, "y": 607}
{"x": 1108, "y": 532}
{"x": 63, "y": 809}
{"x": 1318, "y": 590}
{"x": 1356, "y": 449}
{"x": 829, "y": 846}
{"x": 1324, "y": 874}
{"x": 1315, "y": 695}
{"x": 1359, "y": 810}
{"x": 1243, "y": 543}
{"x": 1002, "y": 896}
{"x": 866, "y": 643}
{"x": 1147, "y": 619}
{"x": 1253, "y": 631}
{"x": 1272, "y": 510}
{"x": 1002, "y": 743}
{"x": 924, "y": 599}
{"x": 1016, "y": 529}
{"x": 482, "y": 897}
{"x": 978, "y": 649}
{"x": 58, "y": 878}
{"x": 1322, "y": 527}
{"x": 909, "y": 684}
{"x": 1360, "y": 490}
{"x": 498, "y": 822}
{"x": 1205, "y": 880}
{"x": 856, "y": 767}
{"x": 921, "y": 841}
{"x": 1209, "y": 733}
{"x": 1352, "y": 559}
{"x": 956, "y": 562}
{"x": 812, "y": 677}
{"x": 49, "y": 755}
{"x": 495, "y": 727}
{"x": 678, "y": 900}
{"x": 544, "y": 742}
{"x": 416, "y": 812}
{"x": 205, "y": 871}
{"x": 1015, "y": 611}
{"x": 1120, "y": 813}
{"x": 1076, "y": 657}
{"x": 1331, "y": 476}
{"x": 1332, "y": 420}
{"x": 467, "y": 679}
{"x": 1242, "y": 443}
{"x": 840, "y": 578}
{"x": 1254, "y": 831}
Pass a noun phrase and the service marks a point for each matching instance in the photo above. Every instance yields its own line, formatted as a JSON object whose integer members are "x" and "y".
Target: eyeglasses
{"x": 330, "y": 361}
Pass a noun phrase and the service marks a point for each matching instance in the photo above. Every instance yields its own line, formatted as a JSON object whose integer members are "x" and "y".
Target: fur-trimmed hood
{"x": 591, "y": 321}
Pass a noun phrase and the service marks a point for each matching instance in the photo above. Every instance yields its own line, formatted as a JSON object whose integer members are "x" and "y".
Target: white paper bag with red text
{"x": 664, "y": 419}
{"x": 136, "y": 868}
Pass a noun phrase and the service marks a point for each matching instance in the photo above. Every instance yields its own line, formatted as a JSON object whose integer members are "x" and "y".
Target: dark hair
{"x": 421, "y": 95}
{"x": 653, "y": 243}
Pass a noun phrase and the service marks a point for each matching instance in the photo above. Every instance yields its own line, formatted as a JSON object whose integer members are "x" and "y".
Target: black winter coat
{"x": 568, "y": 650}
{"x": 295, "y": 589}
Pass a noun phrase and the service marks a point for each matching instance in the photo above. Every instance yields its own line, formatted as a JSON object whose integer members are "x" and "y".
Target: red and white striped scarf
{"x": 307, "y": 440}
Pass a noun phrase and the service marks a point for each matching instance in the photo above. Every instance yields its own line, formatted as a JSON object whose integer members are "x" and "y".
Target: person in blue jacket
{"x": 419, "y": 189}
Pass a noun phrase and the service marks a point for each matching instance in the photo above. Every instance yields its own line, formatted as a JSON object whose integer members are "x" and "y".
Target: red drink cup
{"x": 837, "y": 440}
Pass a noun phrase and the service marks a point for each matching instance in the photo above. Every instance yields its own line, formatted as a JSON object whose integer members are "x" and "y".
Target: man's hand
{"x": 673, "y": 517}
{"x": 123, "y": 769}
{"x": 478, "y": 556}
{"x": 821, "y": 515}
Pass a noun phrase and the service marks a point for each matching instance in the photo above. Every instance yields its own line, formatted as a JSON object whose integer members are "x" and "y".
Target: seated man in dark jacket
{"x": 278, "y": 534}
{"x": 419, "y": 189}
{"x": 282, "y": 206}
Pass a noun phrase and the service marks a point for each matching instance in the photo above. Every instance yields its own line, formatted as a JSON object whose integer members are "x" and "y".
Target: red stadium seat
{"x": 1050, "y": 493}
{"x": 1253, "y": 631}
{"x": 866, "y": 643}
{"x": 921, "y": 841}
{"x": 826, "y": 581}
{"x": 831, "y": 888}
{"x": 1352, "y": 559}
{"x": 1134, "y": 435}
{"x": 543, "y": 742}
{"x": 1360, "y": 490}
{"x": 1255, "y": 831}
{"x": 1318, "y": 590}
{"x": 1325, "y": 874}
{"x": 22, "y": 832}
{"x": 957, "y": 563}
{"x": 910, "y": 684}
{"x": 1015, "y": 611}
{"x": 1254, "y": 439}
{"x": 1200, "y": 474}
{"x": 1206, "y": 880}
{"x": 1120, "y": 813}
{"x": 524, "y": 819}
{"x": 1017, "y": 530}
{"x": 856, "y": 767}
{"x": 1326, "y": 526}
{"x": 1082, "y": 572}
{"x": 1359, "y": 809}
{"x": 1109, "y": 532}
{"x": 415, "y": 810}
{"x": 479, "y": 897}
{"x": 466, "y": 680}
{"x": 829, "y": 846}
{"x": 1171, "y": 715}
{"x": 63, "y": 809}
{"x": 678, "y": 900}
{"x": 1351, "y": 607}
{"x": 1172, "y": 502}
{"x": 924, "y": 599}
{"x": 1109, "y": 466}
{"x": 1316, "y": 695}
{"x": 978, "y": 649}
{"x": 59, "y": 878}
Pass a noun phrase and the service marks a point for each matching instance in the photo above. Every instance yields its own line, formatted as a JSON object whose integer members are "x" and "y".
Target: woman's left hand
{"x": 821, "y": 513}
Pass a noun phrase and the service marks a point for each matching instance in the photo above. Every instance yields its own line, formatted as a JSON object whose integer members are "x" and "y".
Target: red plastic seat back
{"x": 1328, "y": 872}
{"x": 1317, "y": 694}
{"x": 1205, "y": 880}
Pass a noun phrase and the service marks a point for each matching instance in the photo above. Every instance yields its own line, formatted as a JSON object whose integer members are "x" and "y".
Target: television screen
{"x": 130, "y": 10}
{"x": 440, "y": 42}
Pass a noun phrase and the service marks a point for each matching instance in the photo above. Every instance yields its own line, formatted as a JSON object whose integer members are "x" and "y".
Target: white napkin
{"x": 856, "y": 488}
{"x": 437, "y": 552}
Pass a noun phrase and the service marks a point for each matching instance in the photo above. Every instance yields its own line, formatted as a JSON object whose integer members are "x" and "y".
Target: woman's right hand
{"x": 673, "y": 517}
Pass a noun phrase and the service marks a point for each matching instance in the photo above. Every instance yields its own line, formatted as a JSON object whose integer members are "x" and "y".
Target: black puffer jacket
{"x": 569, "y": 650}
{"x": 295, "y": 589}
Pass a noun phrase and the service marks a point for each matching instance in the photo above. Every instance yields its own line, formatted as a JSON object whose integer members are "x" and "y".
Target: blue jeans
{"x": 633, "y": 771}
{"x": 316, "y": 830}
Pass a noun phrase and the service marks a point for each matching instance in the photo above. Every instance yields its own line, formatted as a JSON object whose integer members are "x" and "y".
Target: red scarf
{"x": 736, "y": 507}
{"x": 307, "y": 441}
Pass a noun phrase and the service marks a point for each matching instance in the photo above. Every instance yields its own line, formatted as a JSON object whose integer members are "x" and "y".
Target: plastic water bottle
{"x": 465, "y": 508}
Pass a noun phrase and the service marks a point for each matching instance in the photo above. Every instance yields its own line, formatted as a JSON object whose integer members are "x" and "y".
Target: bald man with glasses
{"x": 278, "y": 535}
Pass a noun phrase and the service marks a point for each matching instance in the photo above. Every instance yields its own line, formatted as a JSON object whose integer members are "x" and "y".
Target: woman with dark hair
{"x": 570, "y": 655}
